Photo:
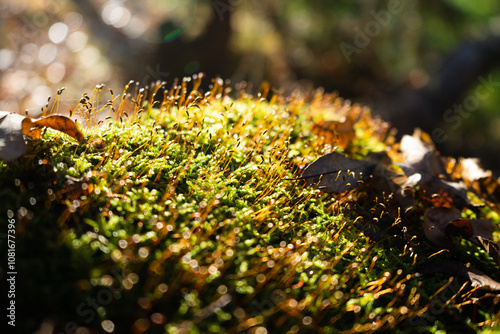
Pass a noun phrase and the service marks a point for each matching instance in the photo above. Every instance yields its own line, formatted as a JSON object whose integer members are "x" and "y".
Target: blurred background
{"x": 428, "y": 64}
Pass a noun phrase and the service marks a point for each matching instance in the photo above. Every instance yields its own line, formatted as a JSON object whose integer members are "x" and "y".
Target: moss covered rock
{"x": 184, "y": 216}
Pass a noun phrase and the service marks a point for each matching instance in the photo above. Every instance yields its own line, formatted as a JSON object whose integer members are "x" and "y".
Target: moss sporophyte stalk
{"x": 181, "y": 212}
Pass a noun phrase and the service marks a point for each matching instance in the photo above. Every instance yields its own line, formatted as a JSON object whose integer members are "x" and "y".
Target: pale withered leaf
{"x": 482, "y": 182}
{"x": 490, "y": 247}
{"x": 12, "y": 145}
{"x": 477, "y": 278}
{"x": 425, "y": 167}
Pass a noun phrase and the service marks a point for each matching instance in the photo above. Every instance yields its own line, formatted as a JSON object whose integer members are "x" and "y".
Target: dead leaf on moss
{"x": 336, "y": 173}
{"x": 477, "y": 278}
{"x": 461, "y": 227}
{"x": 420, "y": 155}
{"x": 435, "y": 222}
{"x": 425, "y": 167}
{"x": 60, "y": 123}
{"x": 490, "y": 247}
{"x": 14, "y": 126}
{"x": 481, "y": 182}
{"x": 441, "y": 223}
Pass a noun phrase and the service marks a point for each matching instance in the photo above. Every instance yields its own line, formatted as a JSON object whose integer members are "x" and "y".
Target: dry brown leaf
{"x": 461, "y": 227}
{"x": 30, "y": 130}
{"x": 425, "y": 167}
{"x": 477, "y": 278}
{"x": 60, "y": 123}
{"x": 481, "y": 182}
{"x": 14, "y": 126}
{"x": 335, "y": 173}
{"x": 441, "y": 223}
{"x": 471, "y": 171}
{"x": 435, "y": 222}
{"x": 490, "y": 247}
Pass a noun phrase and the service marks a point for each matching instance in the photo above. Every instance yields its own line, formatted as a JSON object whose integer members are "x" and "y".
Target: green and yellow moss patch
{"x": 182, "y": 216}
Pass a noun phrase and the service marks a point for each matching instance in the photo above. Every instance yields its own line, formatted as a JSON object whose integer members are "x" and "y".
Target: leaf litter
{"x": 14, "y": 127}
{"x": 412, "y": 174}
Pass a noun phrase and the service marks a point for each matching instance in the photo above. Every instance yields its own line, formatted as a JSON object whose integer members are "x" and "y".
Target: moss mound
{"x": 183, "y": 216}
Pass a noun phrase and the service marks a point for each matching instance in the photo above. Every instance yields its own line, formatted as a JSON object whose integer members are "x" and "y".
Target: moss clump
{"x": 181, "y": 217}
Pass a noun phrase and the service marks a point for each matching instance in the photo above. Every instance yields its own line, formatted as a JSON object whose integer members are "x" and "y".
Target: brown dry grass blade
{"x": 60, "y": 123}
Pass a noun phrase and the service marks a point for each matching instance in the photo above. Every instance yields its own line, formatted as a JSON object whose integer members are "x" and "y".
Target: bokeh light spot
{"x": 6, "y": 58}
{"x": 108, "y": 326}
{"x": 47, "y": 53}
{"x": 158, "y": 318}
{"x": 77, "y": 41}
{"x": 56, "y": 72}
{"x": 58, "y": 32}
{"x": 115, "y": 15}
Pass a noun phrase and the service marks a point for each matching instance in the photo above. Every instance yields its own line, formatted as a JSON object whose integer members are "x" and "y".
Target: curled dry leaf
{"x": 481, "y": 182}
{"x": 442, "y": 223}
{"x": 471, "y": 171}
{"x": 424, "y": 167}
{"x": 14, "y": 126}
{"x": 335, "y": 173}
{"x": 60, "y": 123}
{"x": 477, "y": 278}
{"x": 490, "y": 247}
{"x": 435, "y": 222}
{"x": 420, "y": 155}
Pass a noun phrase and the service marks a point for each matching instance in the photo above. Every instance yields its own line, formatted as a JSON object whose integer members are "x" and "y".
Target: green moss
{"x": 188, "y": 220}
